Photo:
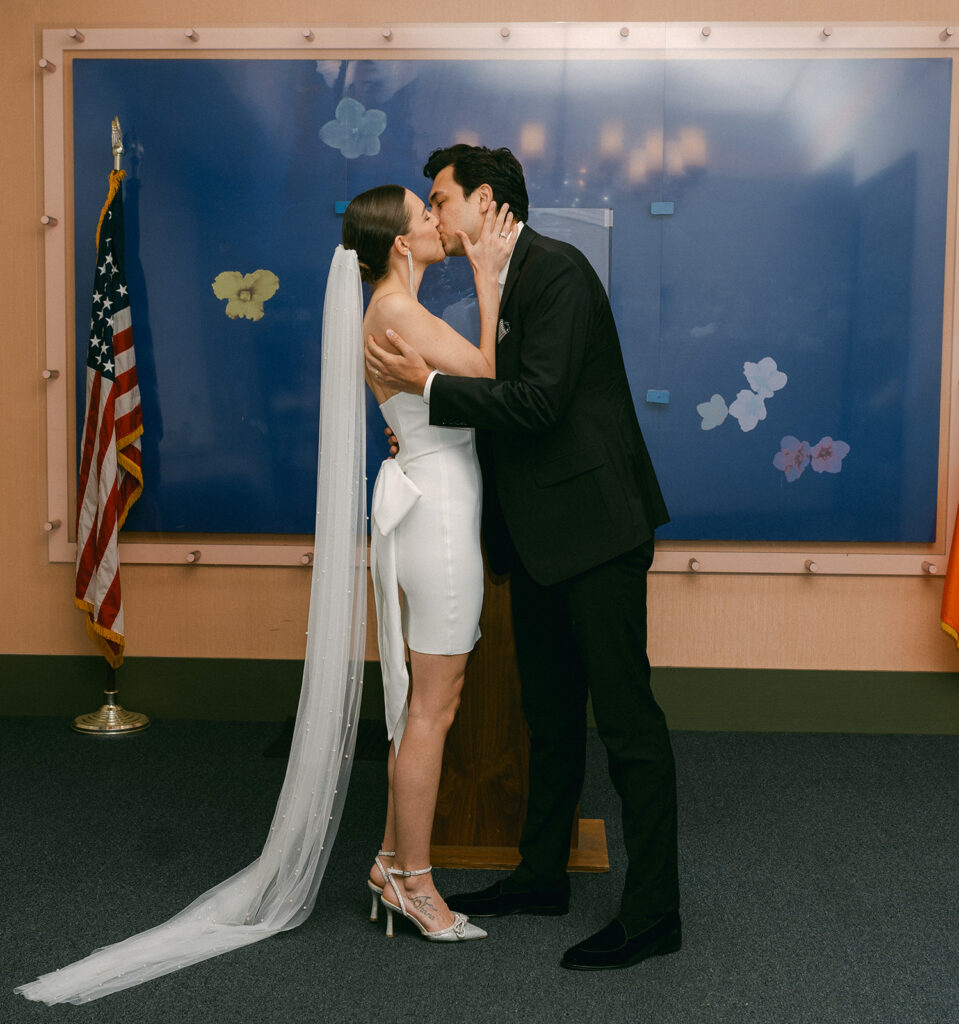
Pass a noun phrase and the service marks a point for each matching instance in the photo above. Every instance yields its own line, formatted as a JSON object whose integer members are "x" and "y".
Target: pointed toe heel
{"x": 459, "y": 931}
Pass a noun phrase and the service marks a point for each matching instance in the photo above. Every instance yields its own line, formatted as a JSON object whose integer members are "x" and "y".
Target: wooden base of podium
{"x": 589, "y": 855}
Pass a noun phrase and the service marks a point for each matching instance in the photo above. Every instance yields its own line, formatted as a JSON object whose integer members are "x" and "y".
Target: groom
{"x": 570, "y": 504}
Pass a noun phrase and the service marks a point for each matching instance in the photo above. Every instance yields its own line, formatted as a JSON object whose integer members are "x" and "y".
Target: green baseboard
{"x": 790, "y": 700}
{"x": 214, "y": 689}
{"x": 722, "y": 700}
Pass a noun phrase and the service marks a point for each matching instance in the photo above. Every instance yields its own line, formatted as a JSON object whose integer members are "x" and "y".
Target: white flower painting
{"x": 749, "y": 407}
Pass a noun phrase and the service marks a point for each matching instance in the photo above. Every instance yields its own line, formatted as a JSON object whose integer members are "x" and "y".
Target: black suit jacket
{"x": 567, "y": 478}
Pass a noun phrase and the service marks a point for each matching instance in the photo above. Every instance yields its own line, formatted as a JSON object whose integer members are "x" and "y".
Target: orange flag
{"x": 949, "y": 615}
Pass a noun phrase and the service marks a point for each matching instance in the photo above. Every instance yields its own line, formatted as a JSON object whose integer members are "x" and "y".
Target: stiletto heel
{"x": 460, "y": 930}
{"x": 375, "y": 889}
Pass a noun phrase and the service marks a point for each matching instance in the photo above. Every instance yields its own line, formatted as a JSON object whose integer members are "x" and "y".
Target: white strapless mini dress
{"x": 425, "y": 527}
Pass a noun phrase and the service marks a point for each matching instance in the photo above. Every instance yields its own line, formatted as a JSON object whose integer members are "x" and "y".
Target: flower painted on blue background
{"x": 792, "y": 457}
{"x": 355, "y": 131}
{"x": 749, "y": 409}
{"x": 764, "y": 377}
{"x": 827, "y": 456}
{"x": 245, "y": 293}
{"x": 713, "y": 412}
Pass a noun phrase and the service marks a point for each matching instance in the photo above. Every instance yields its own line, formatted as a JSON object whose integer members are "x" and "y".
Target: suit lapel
{"x": 523, "y": 243}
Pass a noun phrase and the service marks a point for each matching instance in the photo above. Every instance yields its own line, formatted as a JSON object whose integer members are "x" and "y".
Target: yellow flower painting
{"x": 245, "y": 293}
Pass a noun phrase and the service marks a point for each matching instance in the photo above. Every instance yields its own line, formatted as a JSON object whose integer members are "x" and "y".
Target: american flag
{"x": 111, "y": 474}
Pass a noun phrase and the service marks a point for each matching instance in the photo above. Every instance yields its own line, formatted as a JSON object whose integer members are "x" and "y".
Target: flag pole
{"x": 112, "y": 719}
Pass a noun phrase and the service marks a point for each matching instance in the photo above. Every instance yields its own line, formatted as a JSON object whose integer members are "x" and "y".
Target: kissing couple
{"x": 569, "y": 504}
{"x": 531, "y": 438}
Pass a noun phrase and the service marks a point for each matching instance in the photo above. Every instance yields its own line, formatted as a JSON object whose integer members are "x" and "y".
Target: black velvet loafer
{"x": 611, "y": 948}
{"x": 494, "y": 901}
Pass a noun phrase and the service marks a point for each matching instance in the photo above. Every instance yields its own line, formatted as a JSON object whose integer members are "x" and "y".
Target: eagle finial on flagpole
{"x": 117, "y": 142}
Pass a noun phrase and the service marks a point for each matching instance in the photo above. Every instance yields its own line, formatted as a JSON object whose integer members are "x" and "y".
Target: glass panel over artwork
{"x": 771, "y": 233}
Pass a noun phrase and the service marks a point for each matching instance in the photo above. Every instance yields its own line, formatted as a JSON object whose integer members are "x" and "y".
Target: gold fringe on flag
{"x": 115, "y": 178}
{"x": 100, "y": 635}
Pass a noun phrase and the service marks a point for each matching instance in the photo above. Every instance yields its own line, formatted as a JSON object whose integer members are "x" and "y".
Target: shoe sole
{"x": 668, "y": 944}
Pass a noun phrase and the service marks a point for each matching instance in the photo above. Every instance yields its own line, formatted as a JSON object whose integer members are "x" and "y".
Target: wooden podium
{"x": 483, "y": 789}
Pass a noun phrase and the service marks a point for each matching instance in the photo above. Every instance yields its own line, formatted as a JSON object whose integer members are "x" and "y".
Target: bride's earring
{"x": 409, "y": 260}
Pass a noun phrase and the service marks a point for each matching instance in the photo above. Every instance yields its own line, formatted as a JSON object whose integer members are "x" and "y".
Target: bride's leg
{"x": 389, "y": 829}
{"x": 437, "y": 681}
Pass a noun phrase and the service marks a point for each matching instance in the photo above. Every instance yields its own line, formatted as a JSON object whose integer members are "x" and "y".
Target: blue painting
{"x": 773, "y": 241}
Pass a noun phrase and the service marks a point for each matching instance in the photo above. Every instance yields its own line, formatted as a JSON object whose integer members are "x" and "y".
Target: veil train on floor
{"x": 278, "y": 890}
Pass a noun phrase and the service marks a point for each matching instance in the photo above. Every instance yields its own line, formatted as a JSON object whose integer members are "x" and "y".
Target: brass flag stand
{"x": 112, "y": 719}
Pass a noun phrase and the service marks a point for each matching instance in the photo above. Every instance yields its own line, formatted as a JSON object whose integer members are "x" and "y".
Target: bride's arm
{"x": 438, "y": 344}
{"x": 488, "y": 257}
{"x": 434, "y": 339}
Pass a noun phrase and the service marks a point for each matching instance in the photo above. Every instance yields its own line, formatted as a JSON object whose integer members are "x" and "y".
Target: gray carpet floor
{"x": 819, "y": 877}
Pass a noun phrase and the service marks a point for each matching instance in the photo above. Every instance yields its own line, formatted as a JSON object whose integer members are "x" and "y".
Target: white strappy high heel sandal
{"x": 377, "y": 890}
{"x": 459, "y": 931}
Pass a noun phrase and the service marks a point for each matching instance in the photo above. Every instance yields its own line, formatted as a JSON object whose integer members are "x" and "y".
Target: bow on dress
{"x": 394, "y": 494}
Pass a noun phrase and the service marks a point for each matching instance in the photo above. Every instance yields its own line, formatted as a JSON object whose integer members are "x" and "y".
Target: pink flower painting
{"x": 792, "y": 457}
{"x": 827, "y": 456}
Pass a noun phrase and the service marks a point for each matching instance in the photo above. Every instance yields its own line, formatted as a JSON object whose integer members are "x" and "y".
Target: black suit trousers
{"x": 585, "y": 635}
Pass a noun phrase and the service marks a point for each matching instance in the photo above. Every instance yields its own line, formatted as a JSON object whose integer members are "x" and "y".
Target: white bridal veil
{"x": 277, "y": 891}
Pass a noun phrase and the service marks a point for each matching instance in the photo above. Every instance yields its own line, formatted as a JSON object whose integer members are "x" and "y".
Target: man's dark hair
{"x": 476, "y": 165}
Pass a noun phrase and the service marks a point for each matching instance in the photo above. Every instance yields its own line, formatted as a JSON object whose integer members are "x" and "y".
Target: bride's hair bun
{"x": 371, "y": 223}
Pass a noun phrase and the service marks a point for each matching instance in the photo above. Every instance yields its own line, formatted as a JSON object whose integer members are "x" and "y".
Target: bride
{"x": 425, "y": 533}
{"x": 278, "y": 890}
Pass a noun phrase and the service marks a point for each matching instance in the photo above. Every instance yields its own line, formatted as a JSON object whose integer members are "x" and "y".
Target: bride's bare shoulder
{"x": 392, "y": 303}
{"x": 393, "y": 309}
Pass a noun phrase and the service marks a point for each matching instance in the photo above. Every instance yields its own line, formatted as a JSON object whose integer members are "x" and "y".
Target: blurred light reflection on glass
{"x": 692, "y": 146}
{"x": 611, "y": 139}
{"x": 532, "y": 140}
{"x": 636, "y": 167}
